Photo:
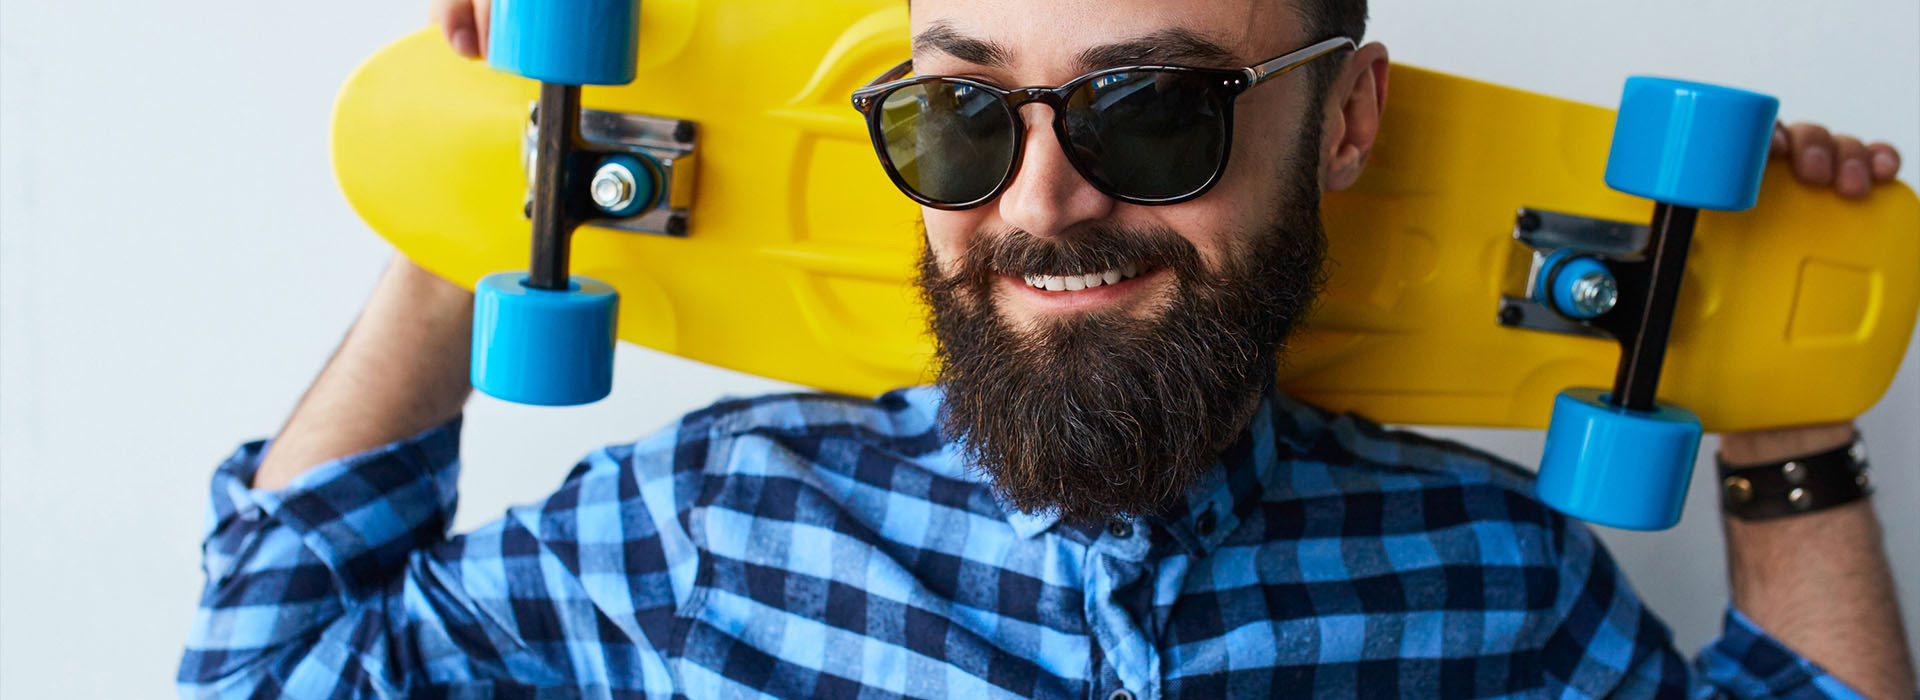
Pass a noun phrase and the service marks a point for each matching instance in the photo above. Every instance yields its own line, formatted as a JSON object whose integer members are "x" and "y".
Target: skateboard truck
{"x": 1555, "y": 240}
{"x": 644, "y": 179}
{"x": 1622, "y": 458}
{"x": 544, "y": 336}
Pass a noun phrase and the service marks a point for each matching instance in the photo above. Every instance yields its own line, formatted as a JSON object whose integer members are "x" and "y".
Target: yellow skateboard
{"x": 780, "y": 247}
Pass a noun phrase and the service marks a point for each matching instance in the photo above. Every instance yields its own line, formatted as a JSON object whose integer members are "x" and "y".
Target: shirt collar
{"x": 1246, "y": 471}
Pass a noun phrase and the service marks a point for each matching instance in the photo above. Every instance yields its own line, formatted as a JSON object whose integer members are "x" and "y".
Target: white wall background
{"x": 176, "y": 264}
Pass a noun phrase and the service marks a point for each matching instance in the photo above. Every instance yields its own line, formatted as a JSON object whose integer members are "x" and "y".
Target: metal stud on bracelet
{"x": 1798, "y": 485}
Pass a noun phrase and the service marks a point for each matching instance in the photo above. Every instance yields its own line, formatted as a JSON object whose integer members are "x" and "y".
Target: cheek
{"x": 1247, "y": 194}
{"x": 948, "y": 233}
{"x": 1267, "y": 131}
{"x": 1214, "y": 223}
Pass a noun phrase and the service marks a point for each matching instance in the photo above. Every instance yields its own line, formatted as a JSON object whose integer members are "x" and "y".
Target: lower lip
{"x": 1083, "y": 300}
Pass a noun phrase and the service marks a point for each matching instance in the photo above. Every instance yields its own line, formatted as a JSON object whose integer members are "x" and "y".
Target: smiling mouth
{"x": 1089, "y": 280}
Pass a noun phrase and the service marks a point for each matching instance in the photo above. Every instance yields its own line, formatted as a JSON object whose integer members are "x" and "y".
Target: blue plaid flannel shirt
{"x": 819, "y": 546}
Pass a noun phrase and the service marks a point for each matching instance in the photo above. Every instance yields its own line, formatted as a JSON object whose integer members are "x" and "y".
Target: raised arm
{"x": 1820, "y": 582}
{"x": 401, "y": 369}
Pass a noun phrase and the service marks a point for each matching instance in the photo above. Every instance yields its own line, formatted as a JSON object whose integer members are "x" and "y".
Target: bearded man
{"x": 1102, "y": 496}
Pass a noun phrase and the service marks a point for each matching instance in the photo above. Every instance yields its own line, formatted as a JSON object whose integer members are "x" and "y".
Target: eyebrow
{"x": 1173, "y": 46}
{"x": 941, "y": 37}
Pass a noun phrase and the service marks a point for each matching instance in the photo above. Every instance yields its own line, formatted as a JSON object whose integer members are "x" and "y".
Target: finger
{"x": 1779, "y": 141}
{"x": 456, "y": 20}
{"x": 1851, "y": 178}
{"x": 1812, "y": 153}
{"x": 1885, "y": 160}
{"x": 482, "y": 23}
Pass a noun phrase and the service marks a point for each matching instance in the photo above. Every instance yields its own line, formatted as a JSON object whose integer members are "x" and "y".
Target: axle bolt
{"x": 613, "y": 187}
{"x": 1595, "y": 293}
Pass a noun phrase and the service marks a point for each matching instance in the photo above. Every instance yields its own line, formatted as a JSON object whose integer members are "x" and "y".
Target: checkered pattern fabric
{"x": 818, "y": 546}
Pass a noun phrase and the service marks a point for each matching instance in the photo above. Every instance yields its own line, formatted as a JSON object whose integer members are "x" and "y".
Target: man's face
{"x": 1112, "y": 398}
{"x": 1041, "y": 43}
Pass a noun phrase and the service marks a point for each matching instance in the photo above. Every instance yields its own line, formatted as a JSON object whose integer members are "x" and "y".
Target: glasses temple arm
{"x": 892, "y": 74}
{"x": 1257, "y": 74}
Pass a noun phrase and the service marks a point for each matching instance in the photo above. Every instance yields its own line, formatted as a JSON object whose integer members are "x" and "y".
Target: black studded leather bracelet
{"x": 1795, "y": 486}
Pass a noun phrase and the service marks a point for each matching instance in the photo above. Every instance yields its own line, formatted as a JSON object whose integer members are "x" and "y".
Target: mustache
{"x": 1078, "y": 250}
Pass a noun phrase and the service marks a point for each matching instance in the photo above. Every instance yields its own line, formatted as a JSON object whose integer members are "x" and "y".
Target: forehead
{"x": 1052, "y": 38}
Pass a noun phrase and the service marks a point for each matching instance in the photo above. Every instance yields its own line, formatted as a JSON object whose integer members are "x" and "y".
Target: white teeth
{"x": 1074, "y": 283}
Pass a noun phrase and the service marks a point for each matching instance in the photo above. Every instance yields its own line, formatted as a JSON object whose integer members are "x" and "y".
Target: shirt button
{"x": 1119, "y": 528}
{"x": 1120, "y": 694}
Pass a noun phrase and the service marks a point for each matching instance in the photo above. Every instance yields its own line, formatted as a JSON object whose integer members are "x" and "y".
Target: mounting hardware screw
{"x": 1512, "y": 316}
{"x": 1595, "y": 293}
{"x": 1528, "y": 222}
{"x": 613, "y": 187}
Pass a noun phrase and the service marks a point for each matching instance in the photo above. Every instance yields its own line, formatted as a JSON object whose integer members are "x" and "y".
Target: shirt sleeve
{"x": 344, "y": 584}
{"x": 1607, "y": 644}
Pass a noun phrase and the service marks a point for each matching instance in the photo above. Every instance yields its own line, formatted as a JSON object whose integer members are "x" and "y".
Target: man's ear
{"x": 1354, "y": 104}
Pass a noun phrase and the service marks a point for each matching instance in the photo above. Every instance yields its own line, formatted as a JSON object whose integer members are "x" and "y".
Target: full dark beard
{"x": 1102, "y": 414}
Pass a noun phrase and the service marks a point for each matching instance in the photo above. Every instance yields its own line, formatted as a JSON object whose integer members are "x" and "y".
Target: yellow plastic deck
{"x": 799, "y": 260}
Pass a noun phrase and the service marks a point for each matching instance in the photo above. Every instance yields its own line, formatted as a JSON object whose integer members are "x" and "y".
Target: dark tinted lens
{"x": 950, "y": 142}
{"x": 1147, "y": 134}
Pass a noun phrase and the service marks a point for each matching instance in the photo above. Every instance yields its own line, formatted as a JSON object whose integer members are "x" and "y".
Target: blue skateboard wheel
{"x": 1691, "y": 144}
{"x": 1616, "y": 466}
{"x": 567, "y": 42}
{"x": 543, "y": 347}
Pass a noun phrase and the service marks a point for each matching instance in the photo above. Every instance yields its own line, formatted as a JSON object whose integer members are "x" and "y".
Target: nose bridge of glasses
{"x": 1019, "y": 98}
{"x": 1055, "y": 164}
{"x": 1055, "y": 101}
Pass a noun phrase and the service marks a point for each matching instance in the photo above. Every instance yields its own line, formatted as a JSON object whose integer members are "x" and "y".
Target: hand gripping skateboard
{"x": 1481, "y": 265}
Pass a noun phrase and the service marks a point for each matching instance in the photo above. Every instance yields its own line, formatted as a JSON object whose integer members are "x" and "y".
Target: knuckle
{"x": 1810, "y": 134}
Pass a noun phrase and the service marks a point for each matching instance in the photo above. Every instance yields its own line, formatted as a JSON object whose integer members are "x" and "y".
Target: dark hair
{"x": 1326, "y": 19}
{"x": 1331, "y": 18}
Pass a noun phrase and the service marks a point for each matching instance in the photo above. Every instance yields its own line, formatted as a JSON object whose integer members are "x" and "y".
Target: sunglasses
{"x": 1138, "y": 134}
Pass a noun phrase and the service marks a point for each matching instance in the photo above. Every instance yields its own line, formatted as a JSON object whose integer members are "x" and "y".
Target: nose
{"x": 1048, "y": 196}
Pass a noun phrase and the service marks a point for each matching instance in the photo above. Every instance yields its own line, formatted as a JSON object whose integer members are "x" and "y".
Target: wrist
{"x": 1780, "y": 444}
{"x": 1792, "y": 473}
{"x": 420, "y": 287}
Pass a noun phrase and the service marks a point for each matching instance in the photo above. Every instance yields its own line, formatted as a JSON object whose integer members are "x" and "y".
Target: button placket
{"x": 1117, "y": 588}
